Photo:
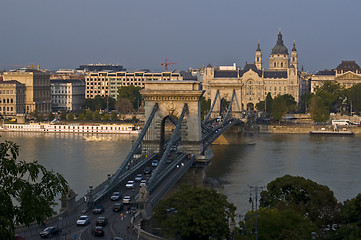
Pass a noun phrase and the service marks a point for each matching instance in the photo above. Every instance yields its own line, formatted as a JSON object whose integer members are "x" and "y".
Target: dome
{"x": 280, "y": 48}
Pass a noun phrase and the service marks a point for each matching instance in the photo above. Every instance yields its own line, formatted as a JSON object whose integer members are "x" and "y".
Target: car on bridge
{"x": 143, "y": 183}
{"x": 130, "y": 184}
{"x": 155, "y": 163}
{"x": 98, "y": 231}
{"x": 117, "y": 207}
{"x": 83, "y": 220}
{"x": 139, "y": 177}
{"x": 49, "y": 231}
{"x": 126, "y": 199}
{"x": 147, "y": 170}
{"x": 98, "y": 209}
{"x": 101, "y": 221}
{"x": 116, "y": 196}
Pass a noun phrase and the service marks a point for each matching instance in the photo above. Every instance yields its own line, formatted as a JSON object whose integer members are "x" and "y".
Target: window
{"x": 274, "y": 64}
{"x": 281, "y": 64}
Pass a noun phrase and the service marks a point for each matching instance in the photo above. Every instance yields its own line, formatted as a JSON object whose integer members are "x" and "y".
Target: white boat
{"x": 71, "y": 128}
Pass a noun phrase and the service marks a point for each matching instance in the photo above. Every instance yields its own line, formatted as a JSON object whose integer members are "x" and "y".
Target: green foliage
{"x": 106, "y": 117}
{"x": 273, "y": 224}
{"x": 279, "y": 108}
{"x": 27, "y": 190}
{"x": 331, "y": 95}
{"x": 123, "y": 106}
{"x": 88, "y": 115}
{"x": 81, "y": 117}
{"x": 291, "y": 104}
{"x": 319, "y": 112}
{"x": 62, "y": 115}
{"x": 205, "y": 107}
{"x": 260, "y": 106}
{"x": 51, "y": 117}
{"x": 354, "y": 97}
{"x": 195, "y": 213}
{"x": 269, "y": 102}
{"x": 114, "y": 116}
{"x": 71, "y": 117}
{"x": 97, "y": 116}
{"x": 305, "y": 102}
{"x": 132, "y": 93}
{"x": 99, "y": 103}
{"x": 304, "y": 196}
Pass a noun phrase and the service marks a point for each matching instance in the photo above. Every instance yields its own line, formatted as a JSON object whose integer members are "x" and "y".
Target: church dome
{"x": 280, "y": 48}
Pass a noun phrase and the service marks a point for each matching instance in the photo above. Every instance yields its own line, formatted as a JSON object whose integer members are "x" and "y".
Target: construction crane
{"x": 166, "y": 64}
{"x": 32, "y": 66}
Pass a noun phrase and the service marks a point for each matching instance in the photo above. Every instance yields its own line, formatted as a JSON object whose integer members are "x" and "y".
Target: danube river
{"x": 330, "y": 160}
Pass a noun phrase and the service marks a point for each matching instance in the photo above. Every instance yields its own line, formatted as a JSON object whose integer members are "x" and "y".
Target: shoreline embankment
{"x": 303, "y": 128}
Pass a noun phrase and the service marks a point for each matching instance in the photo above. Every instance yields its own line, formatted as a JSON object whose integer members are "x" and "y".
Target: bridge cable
{"x": 213, "y": 104}
{"x": 135, "y": 146}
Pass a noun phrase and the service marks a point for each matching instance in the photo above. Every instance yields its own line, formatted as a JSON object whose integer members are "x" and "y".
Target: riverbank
{"x": 303, "y": 128}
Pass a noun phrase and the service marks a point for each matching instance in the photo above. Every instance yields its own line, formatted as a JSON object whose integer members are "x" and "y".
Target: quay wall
{"x": 303, "y": 129}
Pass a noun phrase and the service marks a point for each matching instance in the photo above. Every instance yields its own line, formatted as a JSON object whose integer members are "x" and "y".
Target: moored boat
{"x": 72, "y": 128}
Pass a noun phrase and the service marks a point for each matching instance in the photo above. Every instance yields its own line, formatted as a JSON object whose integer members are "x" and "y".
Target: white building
{"x": 67, "y": 95}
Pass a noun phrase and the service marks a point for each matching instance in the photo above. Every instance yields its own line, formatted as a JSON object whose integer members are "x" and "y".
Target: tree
{"x": 88, "y": 115}
{"x": 97, "y": 116}
{"x": 99, "y": 103}
{"x": 260, "y": 106}
{"x": 205, "y": 107}
{"x": 81, "y": 117}
{"x": 305, "y": 102}
{"x": 354, "y": 98}
{"x": 279, "y": 108}
{"x": 63, "y": 115}
{"x": 51, "y": 116}
{"x": 195, "y": 213}
{"x": 273, "y": 223}
{"x": 269, "y": 102}
{"x": 123, "y": 105}
{"x": 304, "y": 196}
{"x": 106, "y": 117}
{"x": 319, "y": 112}
{"x": 132, "y": 93}
{"x": 331, "y": 95}
{"x": 114, "y": 116}
{"x": 27, "y": 190}
{"x": 291, "y": 104}
{"x": 71, "y": 117}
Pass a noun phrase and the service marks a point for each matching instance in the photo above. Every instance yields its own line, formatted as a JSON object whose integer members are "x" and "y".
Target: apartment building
{"x": 107, "y": 83}
{"x": 67, "y": 95}
{"x": 12, "y": 98}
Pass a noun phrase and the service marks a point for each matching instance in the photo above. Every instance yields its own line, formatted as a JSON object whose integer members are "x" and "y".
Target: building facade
{"x": 347, "y": 74}
{"x": 107, "y": 83}
{"x": 37, "y": 84}
{"x": 12, "y": 98}
{"x": 252, "y": 83}
{"x": 67, "y": 95}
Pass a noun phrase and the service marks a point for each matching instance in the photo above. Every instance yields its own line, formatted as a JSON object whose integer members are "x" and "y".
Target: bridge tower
{"x": 171, "y": 96}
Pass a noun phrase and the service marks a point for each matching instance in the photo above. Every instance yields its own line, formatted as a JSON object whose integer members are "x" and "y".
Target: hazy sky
{"x": 142, "y": 33}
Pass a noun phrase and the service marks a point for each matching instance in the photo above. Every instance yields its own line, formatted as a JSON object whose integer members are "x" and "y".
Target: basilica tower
{"x": 279, "y": 59}
{"x": 258, "y": 58}
{"x": 294, "y": 60}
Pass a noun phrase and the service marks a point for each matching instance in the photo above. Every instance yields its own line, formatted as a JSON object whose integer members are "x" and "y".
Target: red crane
{"x": 166, "y": 64}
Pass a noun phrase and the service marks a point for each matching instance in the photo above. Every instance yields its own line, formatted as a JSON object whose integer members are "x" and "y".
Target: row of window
{"x": 7, "y": 100}
{"x": 6, "y": 92}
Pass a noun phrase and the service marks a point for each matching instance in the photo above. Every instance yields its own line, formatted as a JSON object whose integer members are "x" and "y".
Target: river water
{"x": 332, "y": 161}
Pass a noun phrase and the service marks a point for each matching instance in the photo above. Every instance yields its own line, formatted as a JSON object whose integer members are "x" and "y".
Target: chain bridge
{"x": 175, "y": 103}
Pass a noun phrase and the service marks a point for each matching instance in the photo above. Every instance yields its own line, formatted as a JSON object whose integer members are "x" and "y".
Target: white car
{"x": 143, "y": 183}
{"x": 139, "y": 177}
{"x": 83, "y": 220}
{"x": 116, "y": 196}
{"x": 130, "y": 184}
{"x": 126, "y": 200}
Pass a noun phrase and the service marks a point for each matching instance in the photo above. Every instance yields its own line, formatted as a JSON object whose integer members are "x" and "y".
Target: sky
{"x": 141, "y": 34}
